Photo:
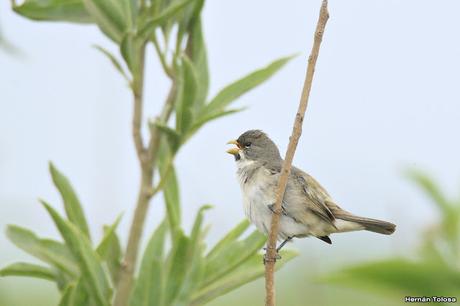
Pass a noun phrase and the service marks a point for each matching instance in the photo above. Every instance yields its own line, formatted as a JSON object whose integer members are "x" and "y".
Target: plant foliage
{"x": 436, "y": 271}
{"x": 176, "y": 268}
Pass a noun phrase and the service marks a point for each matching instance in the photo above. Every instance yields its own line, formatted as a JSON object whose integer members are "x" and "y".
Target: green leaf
{"x": 164, "y": 16}
{"x": 72, "y": 205}
{"x": 196, "y": 51}
{"x": 233, "y": 254}
{"x": 431, "y": 189}
{"x": 130, "y": 9}
{"x": 400, "y": 276}
{"x": 109, "y": 250}
{"x": 191, "y": 15}
{"x": 230, "y": 238}
{"x": 207, "y": 117}
{"x": 170, "y": 189}
{"x": 233, "y": 91}
{"x": 93, "y": 274}
{"x": 109, "y": 235}
{"x": 68, "y": 295}
{"x": 177, "y": 265}
{"x": 50, "y": 251}
{"x": 30, "y": 270}
{"x": 110, "y": 17}
{"x": 196, "y": 229}
{"x": 450, "y": 213}
{"x": 249, "y": 270}
{"x": 75, "y": 294}
{"x": 113, "y": 256}
{"x": 194, "y": 272}
{"x": 54, "y": 10}
{"x": 114, "y": 62}
{"x": 130, "y": 47}
{"x": 172, "y": 136}
{"x": 187, "y": 85}
{"x": 149, "y": 286}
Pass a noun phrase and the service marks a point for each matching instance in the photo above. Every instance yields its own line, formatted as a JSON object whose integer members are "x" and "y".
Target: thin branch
{"x": 147, "y": 156}
{"x": 164, "y": 178}
{"x": 162, "y": 57}
{"x": 270, "y": 256}
{"x": 138, "y": 93}
{"x": 124, "y": 285}
{"x": 166, "y": 112}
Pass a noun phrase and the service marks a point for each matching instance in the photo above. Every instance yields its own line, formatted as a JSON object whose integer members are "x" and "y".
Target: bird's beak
{"x": 233, "y": 151}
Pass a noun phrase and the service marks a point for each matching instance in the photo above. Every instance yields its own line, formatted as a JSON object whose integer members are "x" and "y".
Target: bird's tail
{"x": 373, "y": 225}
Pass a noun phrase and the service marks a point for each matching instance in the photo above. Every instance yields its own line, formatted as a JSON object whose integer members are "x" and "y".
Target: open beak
{"x": 234, "y": 151}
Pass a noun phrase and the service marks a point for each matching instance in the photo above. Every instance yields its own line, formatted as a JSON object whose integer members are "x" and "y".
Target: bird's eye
{"x": 247, "y": 145}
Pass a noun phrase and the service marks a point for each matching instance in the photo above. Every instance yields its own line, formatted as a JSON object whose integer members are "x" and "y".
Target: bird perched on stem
{"x": 307, "y": 208}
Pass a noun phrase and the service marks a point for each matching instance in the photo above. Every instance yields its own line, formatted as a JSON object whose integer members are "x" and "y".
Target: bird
{"x": 307, "y": 208}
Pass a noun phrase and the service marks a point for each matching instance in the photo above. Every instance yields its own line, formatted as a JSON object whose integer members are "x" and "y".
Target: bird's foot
{"x": 271, "y": 259}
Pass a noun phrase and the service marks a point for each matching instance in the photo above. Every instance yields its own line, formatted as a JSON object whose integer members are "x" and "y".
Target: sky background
{"x": 385, "y": 98}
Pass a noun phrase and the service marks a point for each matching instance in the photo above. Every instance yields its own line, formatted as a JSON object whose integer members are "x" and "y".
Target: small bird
{"x": 307, "y": 208}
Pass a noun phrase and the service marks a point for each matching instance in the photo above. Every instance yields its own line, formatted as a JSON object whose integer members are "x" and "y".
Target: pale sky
{"x": 385, "y": 97}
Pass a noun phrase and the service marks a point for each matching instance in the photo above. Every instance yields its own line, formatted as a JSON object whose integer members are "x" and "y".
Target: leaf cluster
{"x": 176, "y": 268}
{"x": 436, "y": 272}
{"x": 183, "y": 274}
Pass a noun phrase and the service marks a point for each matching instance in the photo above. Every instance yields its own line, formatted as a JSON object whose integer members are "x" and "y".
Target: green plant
{"x": 183, "y": 274}
{"x": 435, "y": 271}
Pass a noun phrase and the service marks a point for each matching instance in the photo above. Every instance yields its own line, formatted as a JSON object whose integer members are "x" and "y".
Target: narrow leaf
{"x": 194, "y": 272}
{"x": 232, "y": 255}
{"x": 186, "y": 96}
{"x": 72, "y": 205}
{"x": 130, "y": 9}
{"x": 249, "y": 270}
{"x": 207, "y": 117}
{"x": 68, "y": 295}
{"x": 109, "y": 16}
{"x": 165, "y": 15}
{"x": 113, "y": 256}
{"x": 109, "y": 250}
{"x": 172, "y": 136}
{"x": 50, "y": 251}
{"x": 431, "y": 189}
{"x": 149, "y": 287}
{"x": 170, "y": 189}
{"x": 177, "y": 265}
{"x": 233, "y": 91}
{"x": 75, "y": 294}
{"x": 400, "y": 275}
{"x": 114, "y": 62}
{"x": 231, "y": 237}
{"x": 106, "y": 241}
{"x": 54, "y": 10}
{"x": 196, "y": 51}
{"x": 30, "y": 270}
{"x": 93, "y": 274}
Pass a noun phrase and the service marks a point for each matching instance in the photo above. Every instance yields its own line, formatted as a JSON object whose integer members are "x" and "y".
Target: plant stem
{"x": 147, "y": 157}
{"x": 270, "y": 255}
{"x": 127, "y": 271}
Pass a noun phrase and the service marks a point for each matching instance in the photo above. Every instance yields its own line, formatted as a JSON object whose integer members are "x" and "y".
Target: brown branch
{"x": 270, "y": 256}
{"x": 147, "y": 157}
{"x": 138, "y": 93}
{"x": 123, "y": 287}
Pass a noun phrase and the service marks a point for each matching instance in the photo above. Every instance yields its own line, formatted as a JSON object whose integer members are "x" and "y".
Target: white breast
{"x": 257, "y": 186}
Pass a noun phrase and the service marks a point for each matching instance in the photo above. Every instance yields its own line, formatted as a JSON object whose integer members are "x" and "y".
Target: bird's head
{"x": 254, "y": 145}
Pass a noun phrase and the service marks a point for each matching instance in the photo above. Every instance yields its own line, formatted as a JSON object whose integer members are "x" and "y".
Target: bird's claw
{"x": 271, "y": 259}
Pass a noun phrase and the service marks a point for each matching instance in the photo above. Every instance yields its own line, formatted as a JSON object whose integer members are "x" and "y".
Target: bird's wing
{"x": 317, "y": 196}
{"x": 304, "y": 189}
{"x": 325, "y": 198}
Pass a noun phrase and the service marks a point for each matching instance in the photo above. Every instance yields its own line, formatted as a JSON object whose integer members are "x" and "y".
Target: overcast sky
{"x": 385, "y": 97}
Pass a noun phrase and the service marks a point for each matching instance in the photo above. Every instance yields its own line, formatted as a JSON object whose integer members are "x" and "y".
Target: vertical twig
{"x": 270, "y": 256}
{"x": 147, "y": 156}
